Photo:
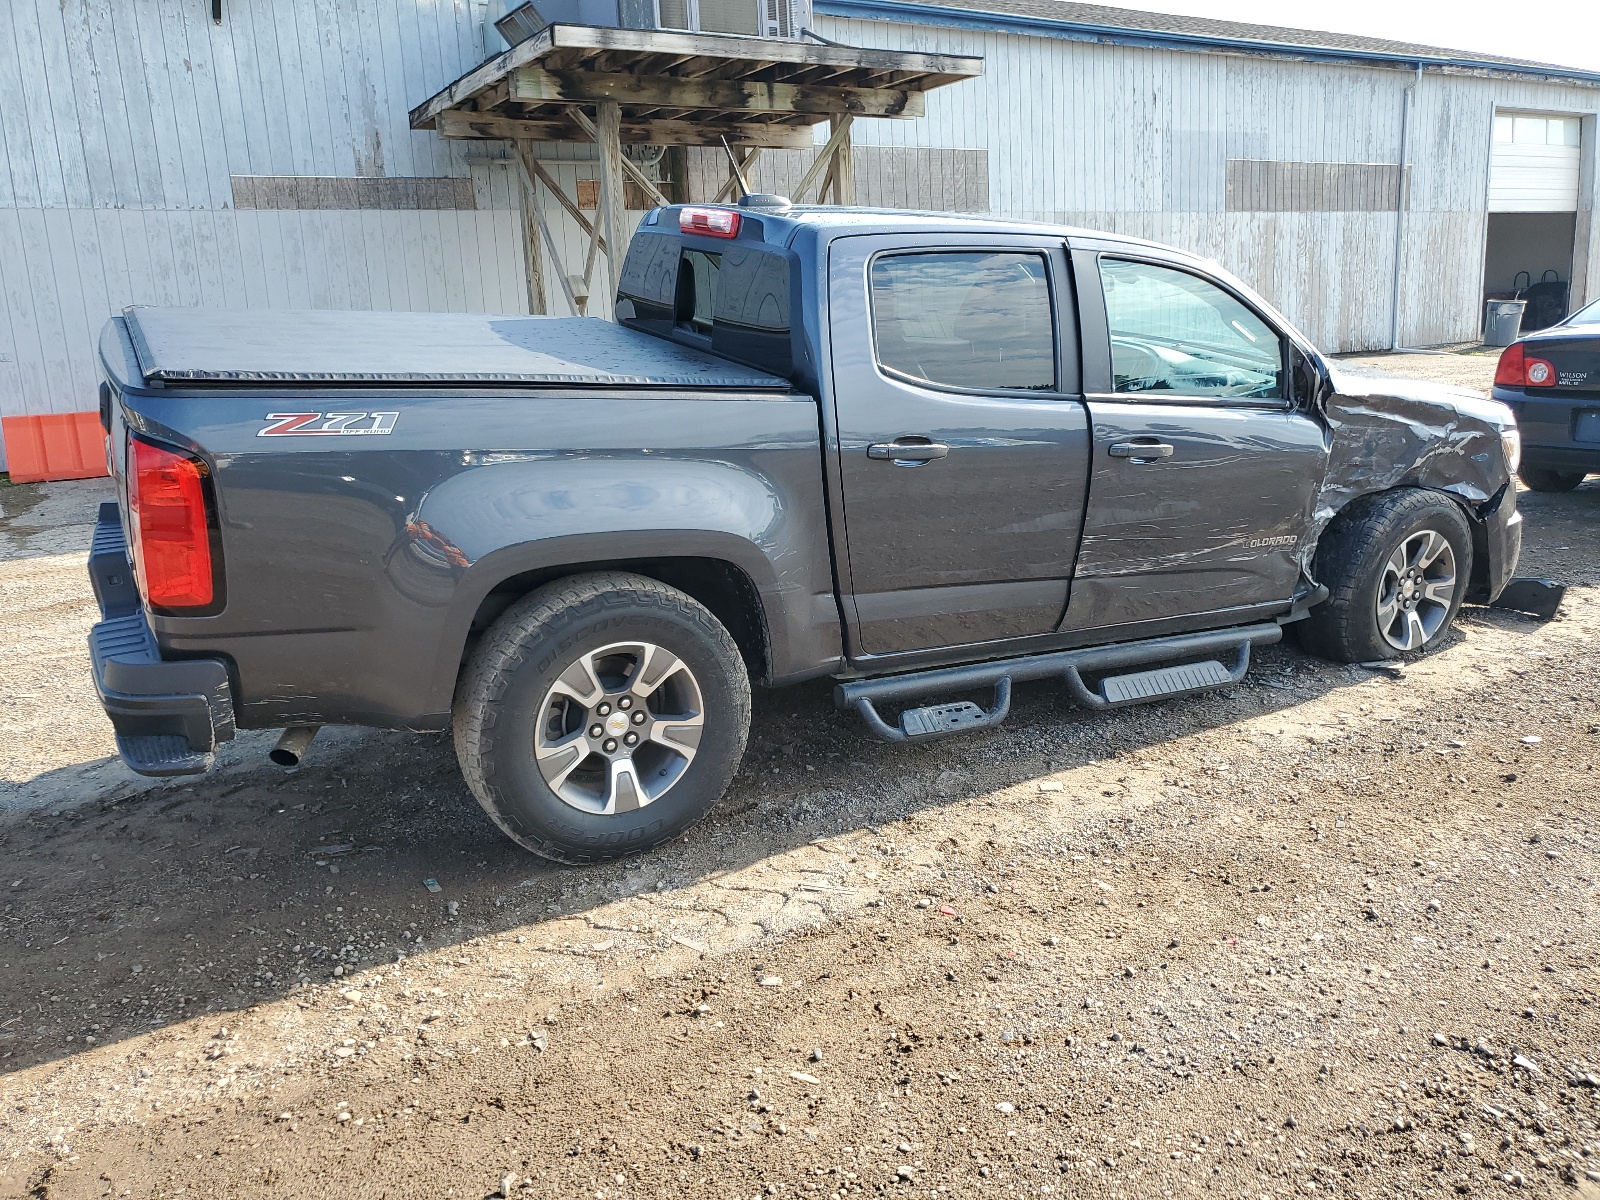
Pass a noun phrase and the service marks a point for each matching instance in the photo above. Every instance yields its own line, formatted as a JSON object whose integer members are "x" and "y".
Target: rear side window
{"x": 969, "y": 319}
{"x": 1176, "y": 334}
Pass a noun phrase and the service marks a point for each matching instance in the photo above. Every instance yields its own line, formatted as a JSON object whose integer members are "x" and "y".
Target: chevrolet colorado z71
{"x": 925, "y": 455}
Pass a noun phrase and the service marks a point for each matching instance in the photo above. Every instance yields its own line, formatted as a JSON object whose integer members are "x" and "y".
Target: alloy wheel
{"x": 1416, "y": 590}
{"x": 619, "y": 728}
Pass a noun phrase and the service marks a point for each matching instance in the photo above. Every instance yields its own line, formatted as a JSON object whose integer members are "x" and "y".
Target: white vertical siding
{"x": 1137, "y": 141}
{"x": 122, "y": 121}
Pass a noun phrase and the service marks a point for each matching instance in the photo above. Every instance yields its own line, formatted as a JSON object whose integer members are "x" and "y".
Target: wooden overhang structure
{"x": 658, "y": 88}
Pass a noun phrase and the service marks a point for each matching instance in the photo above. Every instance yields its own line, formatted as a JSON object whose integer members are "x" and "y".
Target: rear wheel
{"x": 1547, "y": 479}
{"x": 600, "y": 716}
{"x": 1397, "y": 566}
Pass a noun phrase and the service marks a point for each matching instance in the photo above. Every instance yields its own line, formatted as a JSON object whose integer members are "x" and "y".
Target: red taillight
{"x": 1516, "y": 369}
{"x": 1539, "y": 373}
{"x": 171, "y": 533}
{"x": 712, "y": 222}
{"x": 1509, "y": 372}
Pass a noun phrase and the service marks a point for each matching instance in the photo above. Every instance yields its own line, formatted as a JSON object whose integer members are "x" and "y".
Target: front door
{"x": 1206, "y": 464}
{"x": 962, "y": 444}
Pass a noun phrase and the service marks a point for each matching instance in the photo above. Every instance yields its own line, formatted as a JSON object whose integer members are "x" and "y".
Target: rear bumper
{"x": 169, "y": 715}
{"x": 1549, "y": 425}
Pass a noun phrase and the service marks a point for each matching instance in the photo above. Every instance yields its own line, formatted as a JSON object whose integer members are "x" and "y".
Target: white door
{"x": 1533, "y": 166}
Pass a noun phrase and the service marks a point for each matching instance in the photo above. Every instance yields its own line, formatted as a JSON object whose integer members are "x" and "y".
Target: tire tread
{"x": 1333, "y": 629}
{"x": 542, "y": 614}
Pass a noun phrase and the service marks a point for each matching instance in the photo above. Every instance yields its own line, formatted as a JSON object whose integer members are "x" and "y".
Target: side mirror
{"x": 1311, "y": 379}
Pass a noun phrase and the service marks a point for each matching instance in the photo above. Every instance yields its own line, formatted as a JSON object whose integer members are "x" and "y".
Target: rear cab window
{"x": 729, "y": 297}
{"x": 979, "y": 320}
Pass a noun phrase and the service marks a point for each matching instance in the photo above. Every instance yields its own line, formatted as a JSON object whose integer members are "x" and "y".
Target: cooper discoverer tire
{"x": 1548, "y": 479}
{"x": 601, "y": 715}
{"x": 1397, "y": 565}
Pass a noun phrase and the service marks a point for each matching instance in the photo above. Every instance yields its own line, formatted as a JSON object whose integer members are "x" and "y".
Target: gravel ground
{"x": 1330, "y": 931}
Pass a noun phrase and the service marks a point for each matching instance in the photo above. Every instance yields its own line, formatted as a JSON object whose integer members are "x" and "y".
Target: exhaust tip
{"x": 291, "y": 747}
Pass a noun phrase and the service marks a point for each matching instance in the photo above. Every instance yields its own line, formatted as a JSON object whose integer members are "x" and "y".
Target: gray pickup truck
{"x": 925, "y": 455}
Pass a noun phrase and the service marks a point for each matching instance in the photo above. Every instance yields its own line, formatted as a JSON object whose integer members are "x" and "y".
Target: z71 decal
{"x": 309, "y": 424}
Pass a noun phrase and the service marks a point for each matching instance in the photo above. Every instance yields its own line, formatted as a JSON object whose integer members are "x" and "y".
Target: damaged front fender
{"x": 1389, "y": 433}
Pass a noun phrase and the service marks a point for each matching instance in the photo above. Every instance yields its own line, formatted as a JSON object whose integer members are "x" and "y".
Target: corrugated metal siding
{"x": 1138, "y": 141}
{"x": 1270, "y": 185}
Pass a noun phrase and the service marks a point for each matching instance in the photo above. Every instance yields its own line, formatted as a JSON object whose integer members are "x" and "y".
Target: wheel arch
{"x": 1477, "y": 516}
{"x": 726, "y": 574}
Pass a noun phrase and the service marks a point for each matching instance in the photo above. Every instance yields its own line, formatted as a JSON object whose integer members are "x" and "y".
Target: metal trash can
{"x": 1502, "y": 322}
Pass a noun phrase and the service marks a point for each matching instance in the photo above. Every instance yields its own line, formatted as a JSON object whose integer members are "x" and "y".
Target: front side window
{"x": 970, "y": 319}
{"x": 1175, "y": 334}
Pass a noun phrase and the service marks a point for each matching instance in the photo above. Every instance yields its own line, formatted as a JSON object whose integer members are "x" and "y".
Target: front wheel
{"x": 1397, "y": 566}
{"x": 1547, "y": 479}
{"x": 601, "y": 716}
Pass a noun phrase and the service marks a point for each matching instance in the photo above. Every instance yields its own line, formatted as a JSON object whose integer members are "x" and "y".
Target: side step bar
{"x": 1116, "y": 691}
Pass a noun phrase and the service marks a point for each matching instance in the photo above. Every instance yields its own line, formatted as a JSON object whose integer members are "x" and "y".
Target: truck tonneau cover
{"x": 308, "y": 346}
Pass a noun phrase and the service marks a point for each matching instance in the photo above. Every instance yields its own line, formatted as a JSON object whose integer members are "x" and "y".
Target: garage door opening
{"x": 1533, "y": 204}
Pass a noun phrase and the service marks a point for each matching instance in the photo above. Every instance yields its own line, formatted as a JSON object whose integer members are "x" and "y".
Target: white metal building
{"x": 257, "y": 152}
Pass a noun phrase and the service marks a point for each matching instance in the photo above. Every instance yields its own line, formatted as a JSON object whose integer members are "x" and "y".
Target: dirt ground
{"x": 1329, "y": 932}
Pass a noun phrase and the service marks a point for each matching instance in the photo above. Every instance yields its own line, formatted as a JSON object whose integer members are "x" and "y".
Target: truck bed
{"x": 225, "y": 346}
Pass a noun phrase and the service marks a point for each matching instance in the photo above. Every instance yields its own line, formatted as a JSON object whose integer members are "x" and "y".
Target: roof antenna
{"x": 747, "y": 198}
{"x": 738, "y": 171}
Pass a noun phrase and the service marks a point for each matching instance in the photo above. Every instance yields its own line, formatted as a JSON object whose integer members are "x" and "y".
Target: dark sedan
{"x": 1551, "y": 380}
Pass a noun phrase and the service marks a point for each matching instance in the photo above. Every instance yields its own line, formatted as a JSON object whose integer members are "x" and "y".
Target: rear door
{"x": 962, "y": 440}
{"x": 1206, "y": 465}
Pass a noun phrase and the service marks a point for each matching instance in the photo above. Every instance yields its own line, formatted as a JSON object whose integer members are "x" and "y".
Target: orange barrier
{"x": 54, "y": 446}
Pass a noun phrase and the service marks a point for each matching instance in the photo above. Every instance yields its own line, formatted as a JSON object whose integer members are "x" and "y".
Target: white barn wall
{"x": 1136, "y": 141}
{"x": 122, "y": 121}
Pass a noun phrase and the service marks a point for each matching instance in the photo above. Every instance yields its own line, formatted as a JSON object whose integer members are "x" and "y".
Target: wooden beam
{"x": 732, "y": 185}
{"x": 843, "y": 168}
{"x": 456, "y": 124}
{"x": 533, "y": 260}
{"x": 628, "y": 165}
{"x": 613, "y": 214}
{"x": 526, "y": 160}
{"x": 481, "y": 78}
{"x": 530, "y": 85}
{"x": 563, "y": 199}
{"x": 702, "y": 45}
{"x": 824, "y": 158}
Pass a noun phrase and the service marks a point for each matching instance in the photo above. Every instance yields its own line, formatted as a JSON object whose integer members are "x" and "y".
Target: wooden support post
{"x": 613, "y": 214}
{"x": 565, "y": 201}
{"x": 526, "y": 161}
{"x": 532, "y": 239}
{"x": 841, "y": 132}
{"x": 628, "y": 166}
{"x": 843, "y": 168}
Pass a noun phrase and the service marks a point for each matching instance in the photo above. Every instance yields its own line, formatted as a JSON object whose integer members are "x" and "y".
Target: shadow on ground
{"x": 149, "y": 905}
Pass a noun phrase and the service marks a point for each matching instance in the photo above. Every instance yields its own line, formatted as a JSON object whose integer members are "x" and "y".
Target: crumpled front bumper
{"x": 169, "y": 715}
{"x": 1497, "y": 543}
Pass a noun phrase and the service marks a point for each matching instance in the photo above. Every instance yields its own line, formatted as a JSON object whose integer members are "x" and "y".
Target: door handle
{"x": 1141, "y": 451}
{"x": 907, "y": 452}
